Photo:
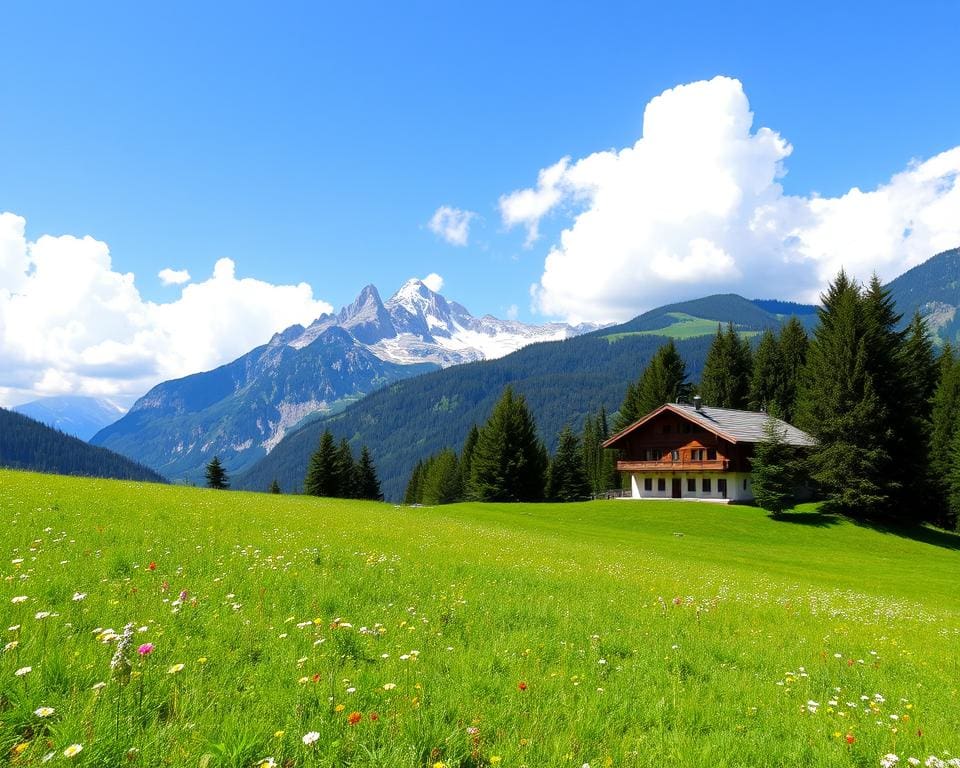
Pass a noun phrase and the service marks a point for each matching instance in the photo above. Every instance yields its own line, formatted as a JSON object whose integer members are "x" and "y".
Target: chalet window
{"x": 648, "y": 483}
{"x": 706, "y": 485}
{"x": 691, "y": 485}
{"x": 711, "y": 454}
{"x": 722, "y": 486}
{"x": 661, "y": 484}
{"x": 744, "y": 483}
{"x": 696, "y": 454}
{"x": 674, "y": 455}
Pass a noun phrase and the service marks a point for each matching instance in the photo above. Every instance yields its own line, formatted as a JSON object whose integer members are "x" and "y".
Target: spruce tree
{"x": 216, "y": 475}
{"x": 509, "y": 462}
{"x": 274, "y": 486}
{"x": 945, "y": 408}
{"x": 366, "y": 483}
{"x": 345, "y": 472}
{"x": 664, "y": 380}
{"x": 442, "y": 482}
{"x": 951, "y": 519}
{"x": 766, "y": 383}
{"x": 322, "y": 472}
{"x": 466, "y": 460}
{"x": 772, "y": 474}
{"x": 793, "y": 343}
{"x": 839, "y": 405}
{"x": 725, "y": 382}
{"x": 567, "y": 478}
{"x": 414, "y": 493}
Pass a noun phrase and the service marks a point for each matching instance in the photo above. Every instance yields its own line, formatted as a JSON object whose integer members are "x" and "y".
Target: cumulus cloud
{"x": 451, "y": 224}
{"x": 69, "y": 323}
{"x": 173, "y": 276}
{"x": 433, "y": 281}
{"x": 696, "y": 206}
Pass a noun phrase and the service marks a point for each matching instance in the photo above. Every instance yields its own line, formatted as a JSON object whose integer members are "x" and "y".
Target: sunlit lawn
{"x": 611, "y": 633}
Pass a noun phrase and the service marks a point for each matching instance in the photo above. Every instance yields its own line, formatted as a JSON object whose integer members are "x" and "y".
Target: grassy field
{"x": 307, "y": 632}
{"x": 683, "y": 326}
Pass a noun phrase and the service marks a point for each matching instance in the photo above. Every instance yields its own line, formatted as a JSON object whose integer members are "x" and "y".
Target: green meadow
{"x": 682, "y": 326}
{"x": 296, "y": 631}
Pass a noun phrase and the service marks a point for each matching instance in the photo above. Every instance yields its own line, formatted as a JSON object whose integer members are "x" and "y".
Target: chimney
{"x": 697, "y": 402}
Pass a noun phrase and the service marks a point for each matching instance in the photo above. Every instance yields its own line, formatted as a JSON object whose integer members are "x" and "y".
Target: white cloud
{"x": 173, "y": 276}
{"x": 695, "y": 206}
{"x": 433, "y": 281}
{"x": 451, "y": 224}
{"x": 70, "y": 324}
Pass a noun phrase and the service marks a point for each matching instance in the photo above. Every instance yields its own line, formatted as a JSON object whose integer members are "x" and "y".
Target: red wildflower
{"x": 152, "y": 567}
{"x": 850, "y": 738}
{"x": 354, "y": 717}
{"x": 522, "y": 685}
{"x": 373, "y": 717}
{"x": 316, "y": 678}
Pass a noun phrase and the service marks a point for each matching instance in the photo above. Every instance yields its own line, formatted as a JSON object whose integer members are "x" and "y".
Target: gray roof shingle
{"x": 742, "y": 426}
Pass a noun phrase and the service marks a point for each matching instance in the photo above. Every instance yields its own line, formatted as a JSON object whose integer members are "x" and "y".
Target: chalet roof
{"x": 733, "y": 425}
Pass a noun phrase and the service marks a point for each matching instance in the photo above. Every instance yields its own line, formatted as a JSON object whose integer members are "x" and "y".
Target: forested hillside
{"x": 933, "y": 288}
{"x": 28, "y": 444}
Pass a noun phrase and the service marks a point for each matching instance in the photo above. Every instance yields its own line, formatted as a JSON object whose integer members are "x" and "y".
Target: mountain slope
{"x": 933, "y": 289}
{"x": 240, "y": 410}
{"x": 562, "y": 381}
{"x": 79, "y": 416}
{"x": 28, "y": 444}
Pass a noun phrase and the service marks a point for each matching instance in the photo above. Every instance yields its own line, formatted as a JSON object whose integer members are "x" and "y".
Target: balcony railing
{"x": 714, "y": 465}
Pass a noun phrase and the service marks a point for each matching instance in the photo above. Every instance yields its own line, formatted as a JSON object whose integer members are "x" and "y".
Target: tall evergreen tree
{"x": 345, "y": 471}
{"x": 664, "y": 380}
{"x": 725, "y": 382}
{"x": 793, "y": 344}
{"x": 839, "y": 405}
{"x": 773, "y": 473}
{"x": 567, "y": 478}
{"x": 366, "y": 484}
{"x": 951, "y": 518}
{"x": 509, "y": 462}
{"x": 945, "y": 407}
{"x": 414, "y": 491}
{"x": 323, "y": 472}
{"x": 767, "y": 381}
{"x": 216, "y": 475}
{"x": 274, "y": 486}
{"x": 442, "y": 482}
{"x": 466, "y": 460}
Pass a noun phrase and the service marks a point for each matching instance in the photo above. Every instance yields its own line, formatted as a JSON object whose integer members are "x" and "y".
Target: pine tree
{"x": 766, "y": 383}
{"x": 773, "y": 474}
{"x": 725, "y": 382}
{"x": 216, "y": 475}
{"x": 466, "y": 460}
{"x": 414, "y": 493}
{"x": 952, "y": 517}
{"x": 945, "y": 408}
{"x": 366, "y": 484}
{"x": 509, "y": 462}
{"x": 839, "y": 405}
{"x": 442, "y": 482}
{"x": 664, "y": 380}
{"x": 793, "y": 344}
{"x": 322, "y": 472}
{"x": 274, "y": 486}
{"x": 567, "y": 478}
{"x": 345, "y": 471}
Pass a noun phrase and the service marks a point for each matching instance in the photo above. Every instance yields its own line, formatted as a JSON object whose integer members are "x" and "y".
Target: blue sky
{"x": 313, "y": 143}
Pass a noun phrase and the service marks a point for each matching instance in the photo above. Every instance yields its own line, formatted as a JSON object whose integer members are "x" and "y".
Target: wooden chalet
{"x": 682, "y": 451}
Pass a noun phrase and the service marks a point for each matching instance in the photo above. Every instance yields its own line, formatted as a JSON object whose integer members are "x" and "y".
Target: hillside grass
{"x": 683, "y": 326}
{"x": 611, "y": 633}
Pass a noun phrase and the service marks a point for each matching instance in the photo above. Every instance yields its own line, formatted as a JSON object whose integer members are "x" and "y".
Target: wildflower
{"x": 339, "y": 708}
{"x": 21, "y": 747}
{"x": 849, "y": 738}
{"x": 389, "y": 686}
{"x": 310, "y": 738}
{"x": 78, "y": 596}
{"x": 23, "y": 671}
{"x": 522, "y": 686}
{"x": 44, "y": 711}
{"x": 152, "y": 567}
{"x": 495, "y": 759}
{"x": 267, "y": 762}
{"x": 202, "y": 660}
{"x": 889, "y": 760}
{"x": 73, "y": 750}
{"x": 41, "y": 615}
{"x": 146, "y": 649}
{"x": 120, "y": 663}
{"x": 278, "y": 734}
{"x": 354, "y": 717}
{"x": 19, "y": 599}
{"x": 11, "y": 645}
{"x": 175, "y": 668}
{"x": 374, "y": 716}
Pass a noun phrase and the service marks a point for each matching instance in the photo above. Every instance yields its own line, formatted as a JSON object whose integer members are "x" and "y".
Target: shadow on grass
{"x": 817, "y": 517}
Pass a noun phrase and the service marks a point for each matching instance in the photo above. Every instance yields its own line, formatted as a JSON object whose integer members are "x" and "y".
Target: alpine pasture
{"x": 296, "y": 631}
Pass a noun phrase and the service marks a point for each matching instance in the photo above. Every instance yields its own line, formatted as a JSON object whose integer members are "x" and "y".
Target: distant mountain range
{"x": 28, "y": 444}
{"x": 241, "y": 410}
{"x": 933, "y": 289}
{"x": 75, "y": 415}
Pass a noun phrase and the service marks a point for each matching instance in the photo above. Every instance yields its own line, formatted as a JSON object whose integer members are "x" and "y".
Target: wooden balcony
{"x": 716, "y": 465}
